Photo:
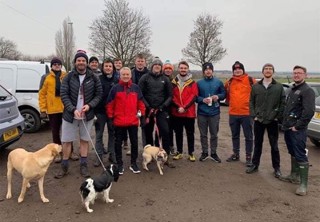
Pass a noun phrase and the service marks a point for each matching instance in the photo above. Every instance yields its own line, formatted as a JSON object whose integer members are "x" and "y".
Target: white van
{"x": 22, "y": 79}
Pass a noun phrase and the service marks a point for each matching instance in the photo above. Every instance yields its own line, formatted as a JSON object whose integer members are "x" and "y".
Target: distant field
{"x": 285, "y": 80}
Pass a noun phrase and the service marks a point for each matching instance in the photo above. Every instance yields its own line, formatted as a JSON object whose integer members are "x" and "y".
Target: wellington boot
{"x": 169, "y": 162}
{"x": 303, "y": 171}
{"x": 293, "y": 177}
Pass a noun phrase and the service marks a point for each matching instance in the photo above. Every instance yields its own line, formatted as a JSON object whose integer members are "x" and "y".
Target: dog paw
{"x": 45, "y": 200}
{"x": 9, "y": 196}
{"x": 89, "y": 210}
{"x": 161, "y": 173}
{"x": 28, "y": 185}
{"x": 20, "y": 199}
{"x": 110, "y": 200}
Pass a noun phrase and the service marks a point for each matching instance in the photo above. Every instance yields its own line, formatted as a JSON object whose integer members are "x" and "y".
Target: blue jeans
{"x": 247, "y": 124}
{"x": 100, "y": 123}
{"x": 296, "y": 144}
{"x": 211, "y": 123}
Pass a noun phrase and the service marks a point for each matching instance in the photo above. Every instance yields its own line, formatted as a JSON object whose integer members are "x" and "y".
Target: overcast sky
{"x": 283, "y": 32}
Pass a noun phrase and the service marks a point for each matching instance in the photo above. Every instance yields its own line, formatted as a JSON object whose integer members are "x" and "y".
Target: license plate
{"x": 10, "y": 134}
{"x": 317, "y": 115}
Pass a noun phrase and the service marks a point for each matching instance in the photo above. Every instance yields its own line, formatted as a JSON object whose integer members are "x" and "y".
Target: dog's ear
{"x": 83, "y": 185}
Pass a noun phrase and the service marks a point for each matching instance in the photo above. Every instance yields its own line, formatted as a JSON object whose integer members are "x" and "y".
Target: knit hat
{"x": 156, "y": 61}
{"x": 55, "y": 60}
{"x": 207, "y": 65}
{"x": 268, "y": 64}
{"x": 93, "y": 58}
{"x": 167, "y": 65}
{"x": 80, "y": 53}
{"x": 237, "y": 64}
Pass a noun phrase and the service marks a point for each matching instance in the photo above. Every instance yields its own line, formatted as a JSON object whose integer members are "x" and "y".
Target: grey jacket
{"x": 69, "y": 91}
{"x": 267, "y": 104}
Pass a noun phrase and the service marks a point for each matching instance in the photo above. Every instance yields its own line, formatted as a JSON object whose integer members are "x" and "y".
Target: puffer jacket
{"x": 48, "y": 101}
{"x": 69, "y": 91}
{"x": 184, "y": 96}
{"x": 238, "y": 94}
{"x": 124, "y": 101}
{"x": 209, "y": 86}
{"x": 267, "y": 104}
{"x": 156, "y": 90}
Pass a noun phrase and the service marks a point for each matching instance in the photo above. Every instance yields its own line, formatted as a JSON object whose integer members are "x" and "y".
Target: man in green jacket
{"x": 267, "y": 100}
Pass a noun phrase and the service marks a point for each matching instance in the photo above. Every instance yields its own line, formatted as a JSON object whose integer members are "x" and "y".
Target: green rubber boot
{"x": 303, "y": 171}
{"x": 293, "y": 177}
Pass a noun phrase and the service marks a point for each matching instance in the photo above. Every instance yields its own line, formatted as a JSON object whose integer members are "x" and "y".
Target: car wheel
{"x": 31, "y": 119}
{"x": 315, "y": 142}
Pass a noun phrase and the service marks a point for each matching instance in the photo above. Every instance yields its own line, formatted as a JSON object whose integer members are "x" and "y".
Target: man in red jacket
{"x": 184, "y": 95}
{"x": 125, "y": 106}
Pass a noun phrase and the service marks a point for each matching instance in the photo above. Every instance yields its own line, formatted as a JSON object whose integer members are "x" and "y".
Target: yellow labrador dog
{"x": 31, "y": 165}
{"x": 156, "y": 153}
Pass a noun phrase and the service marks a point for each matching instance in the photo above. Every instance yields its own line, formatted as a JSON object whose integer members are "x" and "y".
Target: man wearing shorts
{"x": 80, "y": 92}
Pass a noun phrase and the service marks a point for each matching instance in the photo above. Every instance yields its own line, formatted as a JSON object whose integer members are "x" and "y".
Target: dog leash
{"x": 93, "y": 146}
{"x": 154, "y": 112}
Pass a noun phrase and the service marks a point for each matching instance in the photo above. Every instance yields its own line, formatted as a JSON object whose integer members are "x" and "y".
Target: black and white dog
{"x": 91, "y": 187}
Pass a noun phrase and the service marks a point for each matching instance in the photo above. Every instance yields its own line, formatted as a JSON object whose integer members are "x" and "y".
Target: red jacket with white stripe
{"x": 123, "y": 103}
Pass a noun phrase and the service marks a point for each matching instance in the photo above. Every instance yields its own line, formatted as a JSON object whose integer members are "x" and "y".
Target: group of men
{"x": 161, "y": 104}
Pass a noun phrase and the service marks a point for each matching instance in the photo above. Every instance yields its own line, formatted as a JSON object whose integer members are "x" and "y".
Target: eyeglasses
{"x": 298, "y": 73}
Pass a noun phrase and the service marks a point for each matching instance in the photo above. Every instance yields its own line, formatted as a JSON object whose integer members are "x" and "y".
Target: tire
{"x": 315, "y": 142}
{"x": 31, "y": 119}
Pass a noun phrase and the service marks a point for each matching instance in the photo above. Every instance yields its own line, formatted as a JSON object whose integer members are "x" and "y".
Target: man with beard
{"x": 80, "y": 92}
{"x": 184, "y": 95}
{"x": 266, "y": 108}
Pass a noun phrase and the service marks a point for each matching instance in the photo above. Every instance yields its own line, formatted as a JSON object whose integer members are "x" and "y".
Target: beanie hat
{"x": 55, "y": 60}
{"x": 267, "y": 64}
{"x": 167, "y": 65}
{"x": 93, "y": 58}
{"x": 207, "y": 65}
{"x": 237, "y": 64}
{"x": 80, "y": 53}
{"x": 156, "y": 61}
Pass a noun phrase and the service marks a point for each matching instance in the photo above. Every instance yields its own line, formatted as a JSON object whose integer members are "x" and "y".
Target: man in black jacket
{"x": 80, "y": 92}
{"x": 266, "y": 108}
{"x": 157, "y": 92}
{"x": 299, "y": 110}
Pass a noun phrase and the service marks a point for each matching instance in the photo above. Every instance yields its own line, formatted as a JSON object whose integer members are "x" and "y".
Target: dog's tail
{"x": 148, "y": 145}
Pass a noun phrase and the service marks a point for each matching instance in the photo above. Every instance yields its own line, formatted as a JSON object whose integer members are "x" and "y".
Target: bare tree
{"x": 204, "y": 44}
{"x": 65, "y": 43}
{"x": 8, "y": 49}
{"x": 120, "y": 33}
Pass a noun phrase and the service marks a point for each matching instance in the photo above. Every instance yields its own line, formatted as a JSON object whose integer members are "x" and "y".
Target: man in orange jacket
{"x": 238, "y": 89}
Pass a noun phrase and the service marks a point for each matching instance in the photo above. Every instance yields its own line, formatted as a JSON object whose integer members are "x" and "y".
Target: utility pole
{"x": 68, "y": 41}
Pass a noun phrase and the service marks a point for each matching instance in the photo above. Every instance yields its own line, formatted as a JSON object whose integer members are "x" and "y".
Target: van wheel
{"x": 31, "y": 120}
{"x": 315, "y": 142}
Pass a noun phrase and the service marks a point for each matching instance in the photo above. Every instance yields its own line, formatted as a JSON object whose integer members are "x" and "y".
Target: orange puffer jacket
{"x": 48, "y": 102}
{"x": 238, "y": 90}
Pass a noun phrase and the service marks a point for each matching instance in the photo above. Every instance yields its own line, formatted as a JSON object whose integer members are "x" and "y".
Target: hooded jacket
{"x": 238, "y": 90}
{"x": 184, "y": 96}
{"x": 124, "y": 101}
